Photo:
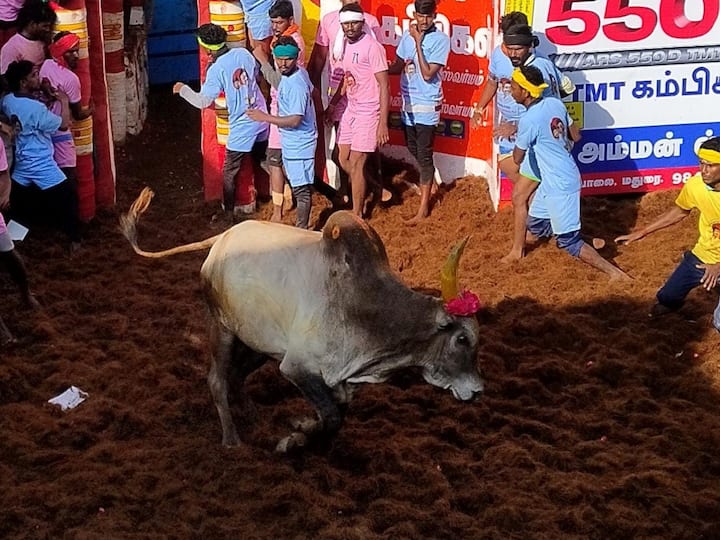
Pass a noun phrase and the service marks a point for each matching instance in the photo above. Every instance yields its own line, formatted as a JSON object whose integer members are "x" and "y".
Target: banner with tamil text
{"x": 647, "y": 76}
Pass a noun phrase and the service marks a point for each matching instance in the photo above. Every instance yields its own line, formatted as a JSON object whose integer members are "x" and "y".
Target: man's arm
{"x": 318, "y": 57}
{"x": 79, "y": 112}
{"x": 489, "y": 92}
{"x": 382, "y": 133}
{"x": 427, "y": 70}
{"x": 671, "y": 217}
{"x": 290, "y": 121}
{"x": 396, "y": 67}
{"x": 4, "y": 189}
{"x": 518, "y": 155}
{"x": 195, "y": 99}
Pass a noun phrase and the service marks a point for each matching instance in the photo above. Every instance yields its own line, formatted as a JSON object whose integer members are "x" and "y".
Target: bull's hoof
{"x": 293, "y": 441}
{"x": 306, "y": 424}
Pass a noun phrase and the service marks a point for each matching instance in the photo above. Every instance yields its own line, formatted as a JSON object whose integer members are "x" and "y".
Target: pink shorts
{"x": 359, "y": 131}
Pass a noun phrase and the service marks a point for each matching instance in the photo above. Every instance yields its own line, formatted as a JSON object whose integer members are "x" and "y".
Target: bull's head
{"x": 454, "y": 366}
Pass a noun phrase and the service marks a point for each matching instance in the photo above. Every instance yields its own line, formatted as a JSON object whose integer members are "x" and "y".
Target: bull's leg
{"x": 244, "y": 362}
{"x": 222, "y": 342}
{"x": 313, "y": 388}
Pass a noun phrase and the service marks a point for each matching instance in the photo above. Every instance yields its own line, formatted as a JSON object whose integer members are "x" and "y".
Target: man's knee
{"x": 571, "y": 242}
{"x": 539, "y": 227}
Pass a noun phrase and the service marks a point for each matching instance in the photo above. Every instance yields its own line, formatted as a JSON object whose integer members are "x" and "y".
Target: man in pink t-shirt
{"x": 8, "y": 256}
{"x": 58, "y": 71}
{"x": 363, "y": 125}
{"x": 36, "y": 21}
{"x": 8, "y": 19}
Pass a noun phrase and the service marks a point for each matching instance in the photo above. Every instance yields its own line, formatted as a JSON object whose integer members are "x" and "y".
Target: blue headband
{"x": 286, "y": 51}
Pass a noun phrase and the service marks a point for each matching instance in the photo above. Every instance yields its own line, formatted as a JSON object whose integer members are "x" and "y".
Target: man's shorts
{"x": 359, "y": 131}
{"x": 563, "y": 210}
{"x": 716, "y": 317}
{"x": 258, "y": 22}
{"x": 300, "y": 172}
{"x": 274, "y": 157}
{"x": 6, "y": 243}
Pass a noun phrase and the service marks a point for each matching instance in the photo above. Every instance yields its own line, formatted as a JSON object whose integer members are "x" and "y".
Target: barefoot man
{"x": 421, "y": 55}
{"x": 543, "y": 147}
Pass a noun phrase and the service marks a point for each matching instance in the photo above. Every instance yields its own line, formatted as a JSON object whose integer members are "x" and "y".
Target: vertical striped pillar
{"x": 102, "y": 132}
{"x": 73, "y": 18}
{"x": 113, "y": 34}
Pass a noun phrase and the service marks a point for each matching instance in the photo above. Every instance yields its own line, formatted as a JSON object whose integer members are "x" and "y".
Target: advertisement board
{"x": 459, "y": 150}
{"x": 647, "y": 77}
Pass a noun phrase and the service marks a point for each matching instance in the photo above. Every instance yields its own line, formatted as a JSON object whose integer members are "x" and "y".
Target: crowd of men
{"x": 533, "y": 130}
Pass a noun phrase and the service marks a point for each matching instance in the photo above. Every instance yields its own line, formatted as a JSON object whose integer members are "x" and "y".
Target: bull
{"x": 327, "y": 306}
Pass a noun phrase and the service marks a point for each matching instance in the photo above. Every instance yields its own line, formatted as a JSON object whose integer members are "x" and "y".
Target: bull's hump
{"x": 345, "y": 229}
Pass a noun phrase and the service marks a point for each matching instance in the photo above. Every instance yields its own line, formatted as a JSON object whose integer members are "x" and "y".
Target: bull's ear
{"x": 442, "y": 319}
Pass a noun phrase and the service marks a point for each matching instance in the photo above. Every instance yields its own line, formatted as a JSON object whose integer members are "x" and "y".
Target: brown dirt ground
{"x": 596, "y": 423}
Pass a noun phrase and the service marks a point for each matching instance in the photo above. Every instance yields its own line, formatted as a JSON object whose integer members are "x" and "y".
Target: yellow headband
{"x": 711, "y": 156}
{"x": 209, "y": 47}
{"x": 535, "y": 90}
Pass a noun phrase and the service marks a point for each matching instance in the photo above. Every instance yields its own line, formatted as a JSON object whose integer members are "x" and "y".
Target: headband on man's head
{"x": 535, "y": 90}
{"x": 210, "y": 46}
{"x": 520, "y": 34}
{"x": 287, "y": 50}
{"x": 711, "y": 156}
{"x": 58, "y": 48}
{"x": 351, "y": 16}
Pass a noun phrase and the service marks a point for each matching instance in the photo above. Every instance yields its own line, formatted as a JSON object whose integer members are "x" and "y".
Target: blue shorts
{"x": 257, "y": 21}
{"x": 300, "y": 172}
{"x": 716, "y": 317}
{"x": 562, "y": 209}
{"x": 571, "y": 242}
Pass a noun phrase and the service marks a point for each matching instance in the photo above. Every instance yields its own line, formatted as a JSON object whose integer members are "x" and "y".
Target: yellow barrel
{"x": 222, "y": 123}
{"x": 230, "y": 16}
{"x": 75, "y": 21}
{"x": 82, "y": 132}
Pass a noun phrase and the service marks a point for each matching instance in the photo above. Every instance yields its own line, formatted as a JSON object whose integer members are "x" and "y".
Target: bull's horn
{"x": 448, "y": 274}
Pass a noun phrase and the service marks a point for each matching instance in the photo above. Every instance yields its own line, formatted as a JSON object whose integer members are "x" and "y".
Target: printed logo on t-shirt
{"x": 504, "y": 86}
{"x": 349, "y": 81}
{"x": 410, "y": 68}
{"x": 716, "y": 230}
{"x": 239, "y": 78}
{"x": 355, "y": 58}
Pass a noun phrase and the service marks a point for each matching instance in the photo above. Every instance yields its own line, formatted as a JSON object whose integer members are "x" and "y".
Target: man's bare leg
{"x": 424, "y": 209}
{"x": 593, "y": 258}
{"x": 277, "y": 185}
{"x": 523, "y": 189}
{"x": 358, "y": 183}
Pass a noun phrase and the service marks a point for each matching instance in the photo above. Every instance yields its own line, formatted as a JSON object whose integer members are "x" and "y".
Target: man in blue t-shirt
{"x": 421, "y": 55}
{"x": 232, "y": 72}
{"x": 543, "y": 146}
{"x": 37, "y": 181}
{"x": 296, "y": 123}
{"x": 516, "y": 50}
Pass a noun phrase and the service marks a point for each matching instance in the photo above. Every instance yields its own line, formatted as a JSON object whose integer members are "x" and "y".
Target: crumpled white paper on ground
{"x": 70, "y": 398}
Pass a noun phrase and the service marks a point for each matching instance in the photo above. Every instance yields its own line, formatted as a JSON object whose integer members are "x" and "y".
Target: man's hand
{"x": 414, "y": 32}
{"x": 711, "y": 276}
{"x": 177, "y": 87}
{"x": 477, "y": 118}
{"x": 47, "y": 88}
{"x": 257, "y": 115}
{"x": 629, "y": 238}
{"x": 328, "y": 115}
{"x": 505, "y": 130}
{"x": 382, "y": 134}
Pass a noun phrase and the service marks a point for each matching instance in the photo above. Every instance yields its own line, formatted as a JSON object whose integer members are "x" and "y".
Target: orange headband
{"x": 63, "y": 45}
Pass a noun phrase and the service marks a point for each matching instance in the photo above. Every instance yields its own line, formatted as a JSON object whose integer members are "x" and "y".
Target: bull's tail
{"x": 128, "y": 226}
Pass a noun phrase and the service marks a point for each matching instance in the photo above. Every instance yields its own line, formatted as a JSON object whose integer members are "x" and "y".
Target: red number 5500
{"x": 671, "y": 15}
